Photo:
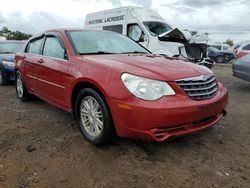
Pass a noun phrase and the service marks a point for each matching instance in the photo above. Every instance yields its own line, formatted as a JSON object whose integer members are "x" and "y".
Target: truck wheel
{"x": 21, "y": 89}
{"x": 3, "y": 81}
{"x": 93, "y": 117}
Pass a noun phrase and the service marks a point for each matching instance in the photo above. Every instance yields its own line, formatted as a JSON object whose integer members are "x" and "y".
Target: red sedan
{"x": 114, "y": 86}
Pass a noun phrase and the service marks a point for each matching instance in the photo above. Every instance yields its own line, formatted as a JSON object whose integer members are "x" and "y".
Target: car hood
{"x": 7, "y": 57}
{"x": 150, "y": 66}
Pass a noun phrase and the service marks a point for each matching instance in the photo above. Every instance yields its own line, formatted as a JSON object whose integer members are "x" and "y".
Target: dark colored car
{"x": 220, "y": 56}
{"x": 115, "y": 86}
{"x": 7, "y": 57}
{"x": 241, "y": 68}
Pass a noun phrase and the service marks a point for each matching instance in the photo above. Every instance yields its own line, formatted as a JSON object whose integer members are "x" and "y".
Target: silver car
{"x": 241, "y": 68}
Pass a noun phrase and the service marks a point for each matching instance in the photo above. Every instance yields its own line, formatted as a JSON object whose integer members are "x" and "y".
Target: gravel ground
{"x": 40, "y": 146}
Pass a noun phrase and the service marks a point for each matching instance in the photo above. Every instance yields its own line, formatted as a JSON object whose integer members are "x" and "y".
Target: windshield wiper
{"x": 99, "y": 52}
{"x": 7, "y": 52}
{"x": 134, "y": 52}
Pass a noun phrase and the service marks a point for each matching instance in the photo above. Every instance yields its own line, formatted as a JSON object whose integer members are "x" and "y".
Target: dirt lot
{"x": 40, "y": 146}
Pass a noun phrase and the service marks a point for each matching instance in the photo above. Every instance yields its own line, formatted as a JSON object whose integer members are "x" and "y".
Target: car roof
{"x": 63, "y": 30}
{"x": 70, "y": 29}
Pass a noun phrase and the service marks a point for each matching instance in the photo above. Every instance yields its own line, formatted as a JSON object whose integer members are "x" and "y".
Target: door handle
{"x": 40, "y": 61}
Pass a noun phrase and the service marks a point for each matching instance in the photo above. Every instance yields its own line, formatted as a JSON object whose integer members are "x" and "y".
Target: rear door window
{"x": 34, "y": 47}
{"x": 53, "y": 48}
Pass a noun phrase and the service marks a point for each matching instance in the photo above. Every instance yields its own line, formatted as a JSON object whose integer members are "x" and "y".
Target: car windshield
{"x": 96, "y": 42}
{"x": 10, "y": 47}
{"x": 157, "y": 28}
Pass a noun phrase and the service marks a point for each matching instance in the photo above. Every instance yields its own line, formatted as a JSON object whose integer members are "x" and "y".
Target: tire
{"x": 21, "y": 90}
{"x": 227, "y": 59}
{"x": 94, "y": 118}
{"x": 3, "y": 80}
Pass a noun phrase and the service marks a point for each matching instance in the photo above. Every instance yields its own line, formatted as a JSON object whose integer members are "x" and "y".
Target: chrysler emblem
{"x": 205, "y": 77}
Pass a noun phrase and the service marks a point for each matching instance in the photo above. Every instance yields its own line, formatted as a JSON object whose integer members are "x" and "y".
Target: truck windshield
{"x": 10, "y": 47}
{"x": 157, "y": 28}
{"x": 102, "y": 42}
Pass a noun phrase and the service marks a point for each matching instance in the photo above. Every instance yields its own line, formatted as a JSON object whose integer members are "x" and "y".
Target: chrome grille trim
{"x": 195, "y": 83}
{"x": 200, "y": 87}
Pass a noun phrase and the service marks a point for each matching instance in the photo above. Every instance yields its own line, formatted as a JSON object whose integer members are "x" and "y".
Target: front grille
{"x": 199, "y": 88}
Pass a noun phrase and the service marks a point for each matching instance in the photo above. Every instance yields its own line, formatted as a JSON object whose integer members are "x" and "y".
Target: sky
{"x": 222, "y": 19}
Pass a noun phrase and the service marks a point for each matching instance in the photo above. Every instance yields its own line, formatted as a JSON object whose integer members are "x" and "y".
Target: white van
{"x": 142, "y": 25}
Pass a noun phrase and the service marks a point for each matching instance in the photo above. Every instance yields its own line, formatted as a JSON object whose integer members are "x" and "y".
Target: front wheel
{"x": 94, "y": 118}
{"x": 21, "y": 89}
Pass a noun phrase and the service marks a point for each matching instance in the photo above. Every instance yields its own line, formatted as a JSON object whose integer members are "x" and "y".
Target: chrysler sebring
{"x": 114, "y": 86}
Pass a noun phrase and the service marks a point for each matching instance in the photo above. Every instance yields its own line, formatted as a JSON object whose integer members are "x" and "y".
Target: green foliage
{"x": 229, "y": 42}
{"x": 14, "y": 35}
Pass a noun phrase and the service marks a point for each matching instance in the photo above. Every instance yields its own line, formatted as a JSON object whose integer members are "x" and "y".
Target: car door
{"x": 53, "y": 71}
{"x": 31, "y": 61}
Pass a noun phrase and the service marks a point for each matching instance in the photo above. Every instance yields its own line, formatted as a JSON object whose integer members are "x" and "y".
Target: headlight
{"x": 146, "y": 88}
{"x": 8, "y": 63}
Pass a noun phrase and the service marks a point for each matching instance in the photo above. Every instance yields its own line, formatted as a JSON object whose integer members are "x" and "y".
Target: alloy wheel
{"x": 19, "y": 86}
{"x": 220, "y": 59}
{"x": 91, "y": 116}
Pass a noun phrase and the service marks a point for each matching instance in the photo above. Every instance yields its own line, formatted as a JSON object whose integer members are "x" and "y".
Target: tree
{"x": 229, "y": 42}
{"x": 14, "y": 35}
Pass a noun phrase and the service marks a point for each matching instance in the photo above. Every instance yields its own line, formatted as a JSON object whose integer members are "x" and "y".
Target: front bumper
{"x": 167, "y": 117}
{"x": 7, "y": 73}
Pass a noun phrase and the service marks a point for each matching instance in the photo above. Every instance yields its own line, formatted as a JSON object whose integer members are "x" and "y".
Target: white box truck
{"x": 148, "y": 28}
{"x": 142, "y": 25}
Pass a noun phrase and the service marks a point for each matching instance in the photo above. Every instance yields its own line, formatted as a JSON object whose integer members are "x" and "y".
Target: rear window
{"x": 247, "y": 47}
{"x": 34, "y": 46}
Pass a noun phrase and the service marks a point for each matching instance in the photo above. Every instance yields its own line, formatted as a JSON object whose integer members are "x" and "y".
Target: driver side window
{"x": 53, "y": 48}
{"x": 135, "y": 32}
